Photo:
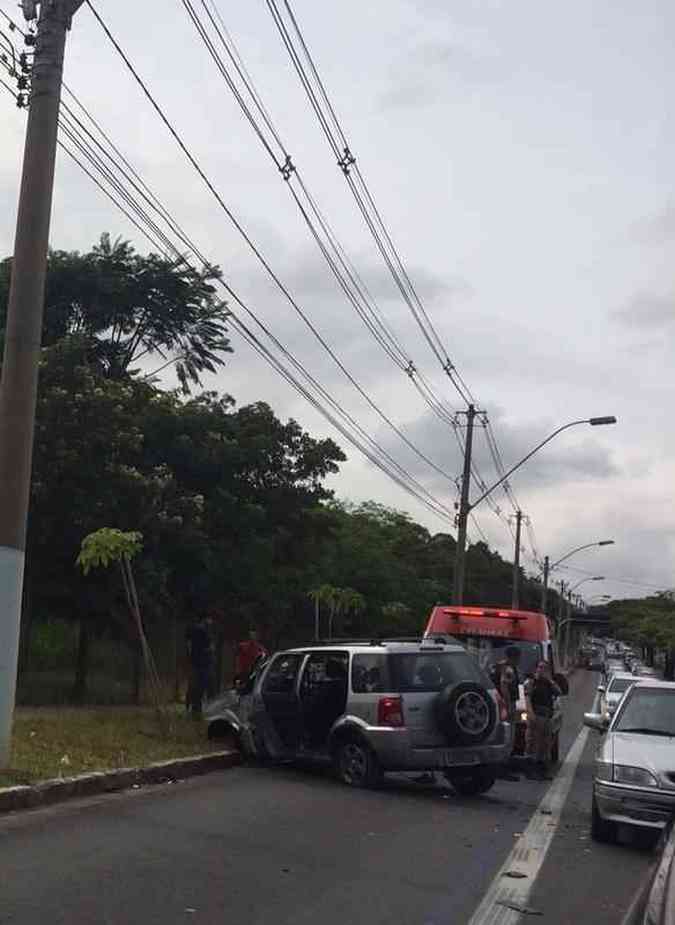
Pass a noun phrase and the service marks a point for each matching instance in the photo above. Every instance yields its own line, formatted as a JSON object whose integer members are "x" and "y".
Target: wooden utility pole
{"x": 464, "y": 510}
{"x": 515, "y": 599}
{"x": 23, "y": 333}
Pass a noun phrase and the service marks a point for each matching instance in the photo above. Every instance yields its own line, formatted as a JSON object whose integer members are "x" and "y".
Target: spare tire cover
{"x": 466, "y": 713}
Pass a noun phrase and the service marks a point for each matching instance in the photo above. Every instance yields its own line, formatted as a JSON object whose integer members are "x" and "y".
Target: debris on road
{"x": 517, "y": 907}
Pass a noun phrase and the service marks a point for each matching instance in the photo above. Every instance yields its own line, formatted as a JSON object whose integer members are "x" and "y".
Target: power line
{"x": 333, "y": 252}
{"x": 397, "y": 473}
{"x": 337, "y": 139}
{"x": 621, "y": 581}
{"x": 371, "y": 214}
{"x": 251, "y": 244}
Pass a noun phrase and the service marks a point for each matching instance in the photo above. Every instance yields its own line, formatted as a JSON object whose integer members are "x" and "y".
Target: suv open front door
{"x": 281, "y": 700}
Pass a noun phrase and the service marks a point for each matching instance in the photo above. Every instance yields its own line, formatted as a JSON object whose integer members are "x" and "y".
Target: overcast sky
{"x": 522, "y": 155}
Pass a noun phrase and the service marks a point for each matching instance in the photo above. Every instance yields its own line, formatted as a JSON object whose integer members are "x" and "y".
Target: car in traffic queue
{"x": 613, "y": 690}
{"x": 646, "y": 671}
{"x": 487, "y": 632}
{"x": 634, "y": 774}
{"x": 367, "y": 708}
{"x": 654, "y": 902}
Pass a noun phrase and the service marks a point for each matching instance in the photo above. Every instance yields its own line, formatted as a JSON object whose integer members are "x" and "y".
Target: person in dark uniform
{"x": 200, "y": 654}
{"x": 540, "y": 694}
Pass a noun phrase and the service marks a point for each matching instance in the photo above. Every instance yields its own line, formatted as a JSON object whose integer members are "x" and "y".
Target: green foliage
{"x": 231, "y": 502}
{"x": 108, "y": 545}
{"x": 125, "y": 308}
{"x": 647, "y": 622}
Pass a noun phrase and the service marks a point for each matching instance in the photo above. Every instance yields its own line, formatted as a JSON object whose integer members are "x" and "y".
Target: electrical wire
{"x": 331, "y": 249}
{"x": 399, "y": 475}
{"x": 347, "y": 162}
{"x": 256, "y": 251}
{"x": 333, "y": 252}
{"x": 317, "y": 94}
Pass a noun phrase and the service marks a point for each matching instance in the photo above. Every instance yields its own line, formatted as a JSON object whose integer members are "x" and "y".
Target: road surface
{"x": 285, "y": 846}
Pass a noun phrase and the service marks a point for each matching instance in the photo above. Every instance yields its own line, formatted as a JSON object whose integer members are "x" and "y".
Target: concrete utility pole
{"x": 515, "y": 599}
{"x": 464, "y": 509}
{"x": 544, "y": 584}
{"x": 23, "y": 333}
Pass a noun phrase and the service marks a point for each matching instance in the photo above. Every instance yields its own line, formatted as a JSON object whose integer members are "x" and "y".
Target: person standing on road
{"x": 540, "y": 694}
{"x": 200, "y": 653}
{"x": 506, "y": 677}
{"x": 509, "y": 680}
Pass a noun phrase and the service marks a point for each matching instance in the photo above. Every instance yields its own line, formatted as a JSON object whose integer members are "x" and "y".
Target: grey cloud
{"x": 649, "y": 310}
{"x": 311, "y": 275}
{"x": 659, "y": 228}
{"x": 422, "y": 77}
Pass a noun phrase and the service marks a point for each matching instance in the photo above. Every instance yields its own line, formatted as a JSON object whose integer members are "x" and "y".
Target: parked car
{"x": 367, "y": 708}
{"x": 654, "y": 903}
{"x": 634, "y": 779}
{"x": 612, "y": 666}
{"x": 613, "y": 690}
{"x": 595, "y": 661}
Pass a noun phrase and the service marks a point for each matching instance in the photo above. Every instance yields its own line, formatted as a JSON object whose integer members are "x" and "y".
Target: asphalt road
{"x": 288, "y": 846}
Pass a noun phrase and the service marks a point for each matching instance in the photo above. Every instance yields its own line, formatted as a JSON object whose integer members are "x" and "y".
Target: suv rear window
{"x": 432, "y": 671}
{"x": 370, "y": 674}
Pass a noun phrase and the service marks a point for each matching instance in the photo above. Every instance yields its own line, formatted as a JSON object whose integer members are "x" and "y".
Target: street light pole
{"x": 23, "y": 334}
{"x": 566, "y": 623}
{"x": 465, "y": 506}
{"x": 548, "y": 568}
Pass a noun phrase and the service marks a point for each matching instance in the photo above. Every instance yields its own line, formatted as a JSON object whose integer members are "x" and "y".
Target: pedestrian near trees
{"x": 200, "y": 653}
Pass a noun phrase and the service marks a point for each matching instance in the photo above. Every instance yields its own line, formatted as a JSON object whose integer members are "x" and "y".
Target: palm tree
{"x": 324, "y": 594}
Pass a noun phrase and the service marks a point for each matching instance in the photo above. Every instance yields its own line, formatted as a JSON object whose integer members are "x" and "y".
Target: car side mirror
{"x": 562, "y": 683}
{"x": 596, "y": 721}
{"x": 601, "y": 689}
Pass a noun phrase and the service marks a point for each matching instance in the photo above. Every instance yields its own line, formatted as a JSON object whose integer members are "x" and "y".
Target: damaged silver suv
{"x": 368, "y": 708}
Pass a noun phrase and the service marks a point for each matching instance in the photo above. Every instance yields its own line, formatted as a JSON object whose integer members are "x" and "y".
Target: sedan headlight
{"x": 638, "y": 777}
{"x": 523, "y": 717}
{"x": 604, "y": 771}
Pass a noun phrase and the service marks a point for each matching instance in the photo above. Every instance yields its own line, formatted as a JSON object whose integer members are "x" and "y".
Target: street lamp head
{"x": 598, "y": 578}
{"x": 606, "y": 543}
{"x": 597, "y": 422}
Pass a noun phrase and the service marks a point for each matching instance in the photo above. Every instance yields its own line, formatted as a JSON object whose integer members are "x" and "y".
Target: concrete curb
{"x": 64, "y": 788}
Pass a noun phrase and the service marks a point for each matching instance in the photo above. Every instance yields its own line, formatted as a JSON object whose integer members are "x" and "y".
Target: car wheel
{"x": 602, "y": 830}
{"x": 473, "y": 783}
{"x": 356, "y": 765}
{"x": 555, "y": 748}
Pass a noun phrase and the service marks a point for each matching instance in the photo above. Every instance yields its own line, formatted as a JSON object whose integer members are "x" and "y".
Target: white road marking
{"x": 530, "y": 850}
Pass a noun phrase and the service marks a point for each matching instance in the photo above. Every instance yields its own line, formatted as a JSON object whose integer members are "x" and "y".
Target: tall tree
{"x": 132, "y": 309}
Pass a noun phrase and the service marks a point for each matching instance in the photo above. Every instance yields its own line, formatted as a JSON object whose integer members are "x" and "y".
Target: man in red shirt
{"x": 248, "y": 653}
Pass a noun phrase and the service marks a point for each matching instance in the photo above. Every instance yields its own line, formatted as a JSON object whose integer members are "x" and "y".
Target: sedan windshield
{"x": 619, "y": 685}
{"x": 648, "y": 711}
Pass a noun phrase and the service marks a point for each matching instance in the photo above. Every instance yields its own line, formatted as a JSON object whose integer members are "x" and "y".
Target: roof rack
{"x": 432, "y": 638}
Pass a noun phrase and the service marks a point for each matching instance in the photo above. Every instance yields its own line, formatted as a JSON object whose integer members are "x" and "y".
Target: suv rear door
{"x": 419, "y": 677}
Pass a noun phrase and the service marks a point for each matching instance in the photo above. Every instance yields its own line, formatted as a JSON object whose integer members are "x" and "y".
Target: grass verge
{"x": 50, "y": 743}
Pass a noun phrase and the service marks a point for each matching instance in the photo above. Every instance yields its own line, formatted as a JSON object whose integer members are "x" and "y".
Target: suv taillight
{"x": 503, "y": 712}
{"x": 390, "y": 711}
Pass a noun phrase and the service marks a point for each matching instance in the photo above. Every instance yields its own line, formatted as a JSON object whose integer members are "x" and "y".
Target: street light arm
{"x": 573, "y": 551}
{"x": 524, "y": 460}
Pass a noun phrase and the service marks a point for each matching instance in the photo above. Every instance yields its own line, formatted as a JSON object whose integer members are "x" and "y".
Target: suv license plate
{"x": 452, "y": 759}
